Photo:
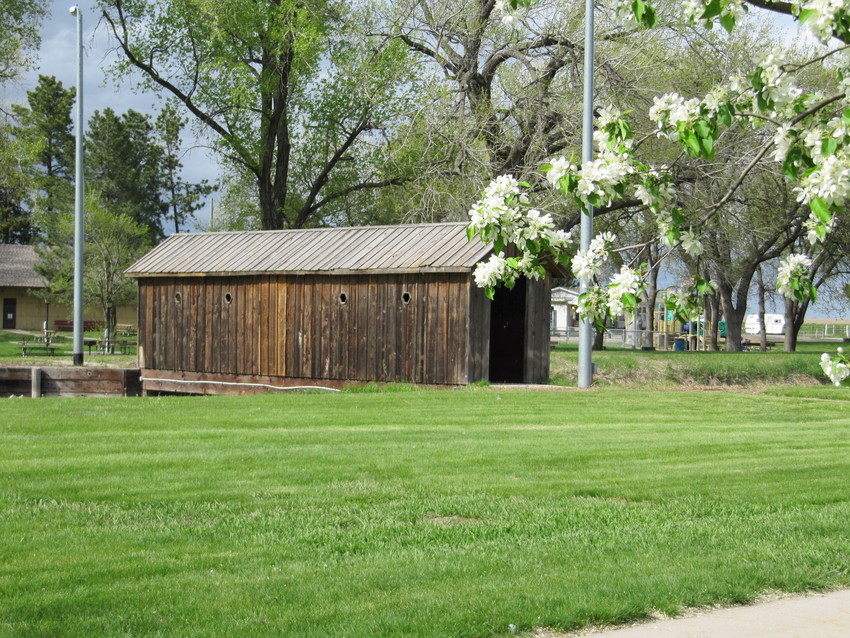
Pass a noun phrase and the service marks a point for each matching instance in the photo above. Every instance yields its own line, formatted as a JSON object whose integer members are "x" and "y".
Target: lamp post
{"x": 585, "y": 331}
{"x": 78, "y": 199}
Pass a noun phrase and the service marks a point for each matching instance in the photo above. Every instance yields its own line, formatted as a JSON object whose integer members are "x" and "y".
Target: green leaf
{"x": 498, "y": 244}
{"x": 639, "y": 8}
{"x": 764, "y": 103}
{"x": 510, "y": 284}
{"x": 702, "y": 128}
{"x": 565, "y": 260}
{"x": 470, "y": 233}
{"x": 691, "y": 142}
{"x": 755, "y": 80}
{"x": 489, "y": 291}
{"x": 845, "y": 117}
{"x": 829, "y": 146}
{"x": 672, "y": 235}
{"x": 649, "y": 17}
{"x": 629, "y": 300}
{"x": 525, "y": 184}
{"x": 513, "y": 262}
{"x": 806, "y": 15}
{"x": 724, "y": 114}
{"x": 599, "y": 323}
{"x": 712, "y": 10}
{"x": 708, "y": 148}
{"x": 546, "y": 168}
{"x": 727, "y": 21}
{"x": 821, "y": 210}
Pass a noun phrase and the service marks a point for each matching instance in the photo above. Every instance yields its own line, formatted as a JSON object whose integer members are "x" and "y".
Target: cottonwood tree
{"x": 20, "y": 22}
{"x": 285, "y": 90}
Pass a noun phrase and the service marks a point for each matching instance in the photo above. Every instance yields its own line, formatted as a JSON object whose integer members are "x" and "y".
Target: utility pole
{"x": 585, "y": 331}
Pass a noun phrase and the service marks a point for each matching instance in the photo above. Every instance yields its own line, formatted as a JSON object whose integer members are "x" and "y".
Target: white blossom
{"x": 830, "y": 182}
{"x": 560, "y": 167}
{"x": 783, "y": 140}
{"x": 837, "y": 371}
{"x": 791, "y": 267}
{"x": 691, "y": 244}
{"x": 488, "y": 274}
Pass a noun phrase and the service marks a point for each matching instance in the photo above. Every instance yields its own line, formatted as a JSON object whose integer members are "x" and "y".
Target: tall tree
{"x": 280, "y": 87}
{"x": 181, "y": 198}
{"x": 45, "y": 127}
{"x": 124, "y": 164}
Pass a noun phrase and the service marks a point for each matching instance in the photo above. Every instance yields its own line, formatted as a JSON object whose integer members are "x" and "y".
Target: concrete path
{"x": 809, "y": 616}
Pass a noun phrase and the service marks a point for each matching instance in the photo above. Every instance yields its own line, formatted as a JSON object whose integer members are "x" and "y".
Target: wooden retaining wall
{"x": 69, "y": 382}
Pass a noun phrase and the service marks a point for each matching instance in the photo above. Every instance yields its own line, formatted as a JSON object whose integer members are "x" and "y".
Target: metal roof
{"x": 359, "y": 250}
{"x": 17, "y": 264}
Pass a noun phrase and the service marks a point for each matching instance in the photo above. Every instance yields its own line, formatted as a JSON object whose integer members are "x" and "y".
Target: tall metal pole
{"x": 585, "y": 331}
{"x": 78, "y": 200}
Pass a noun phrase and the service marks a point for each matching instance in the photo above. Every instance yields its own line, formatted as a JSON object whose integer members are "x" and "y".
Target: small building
{"x": 564, "y": 309}
{"x": 23, "y": 310}
{"x": 237, "y": 310}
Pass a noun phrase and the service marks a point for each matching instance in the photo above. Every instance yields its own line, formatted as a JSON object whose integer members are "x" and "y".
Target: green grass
{"x": 413, "y": 513}
{"x": 637, "y": 368}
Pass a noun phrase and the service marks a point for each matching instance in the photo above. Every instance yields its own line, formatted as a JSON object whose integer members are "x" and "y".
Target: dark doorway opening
{"x": 10, "y": 311}
{"x": 507, "y": 334}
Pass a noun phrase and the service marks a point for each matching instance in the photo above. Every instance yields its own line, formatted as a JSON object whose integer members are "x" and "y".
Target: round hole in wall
{"x": 405, "y": 298}
{"x": 228, "y": 298}
{"x": 178, "y": 297}
{"x": 343, "y": 298}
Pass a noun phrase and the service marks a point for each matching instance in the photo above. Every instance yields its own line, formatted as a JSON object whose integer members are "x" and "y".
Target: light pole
{"x": 78, "y": 199}
{"x": 585, "y": 330}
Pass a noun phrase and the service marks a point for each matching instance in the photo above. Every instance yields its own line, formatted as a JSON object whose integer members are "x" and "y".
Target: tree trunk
{"x": 734, "y": 317}
{"x": 762, "y": 324}
{"x": 795, "y": 315}
{"x": 713, "y": 318}
{"x": 599, "y": 340}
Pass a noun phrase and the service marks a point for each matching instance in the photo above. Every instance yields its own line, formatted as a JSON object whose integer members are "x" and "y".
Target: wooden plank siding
{"x": 326, "y": 327}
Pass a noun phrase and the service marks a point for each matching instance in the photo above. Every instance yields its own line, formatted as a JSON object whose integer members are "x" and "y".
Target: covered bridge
{"x": 223, "y": 311}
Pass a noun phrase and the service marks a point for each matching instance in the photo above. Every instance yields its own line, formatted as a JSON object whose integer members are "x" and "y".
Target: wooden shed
{"x": 241, "y": 310}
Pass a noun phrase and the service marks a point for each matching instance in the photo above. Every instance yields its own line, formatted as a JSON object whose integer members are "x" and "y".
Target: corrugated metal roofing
{"x": 17, "y": 265}
{"x": 366, "y": 249}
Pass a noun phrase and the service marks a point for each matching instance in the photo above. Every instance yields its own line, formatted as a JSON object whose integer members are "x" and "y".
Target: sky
{"x": 58, "y": 57}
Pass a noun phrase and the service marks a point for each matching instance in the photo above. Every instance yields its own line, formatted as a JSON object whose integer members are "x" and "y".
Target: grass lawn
{"x": 414, "y": 513}
{"x": 624, "y": 366}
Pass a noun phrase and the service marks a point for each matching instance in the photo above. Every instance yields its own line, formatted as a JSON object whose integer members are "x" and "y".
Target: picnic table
{"x": 109, "y": 346}
{"x": 33, "y": 347}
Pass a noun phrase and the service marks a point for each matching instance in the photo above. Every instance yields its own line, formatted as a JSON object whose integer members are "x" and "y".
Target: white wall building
{"x": 564, "y": 309}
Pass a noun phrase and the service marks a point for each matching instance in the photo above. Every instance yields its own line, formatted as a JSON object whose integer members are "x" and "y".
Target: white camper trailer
{"x": 774, "y": 324}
